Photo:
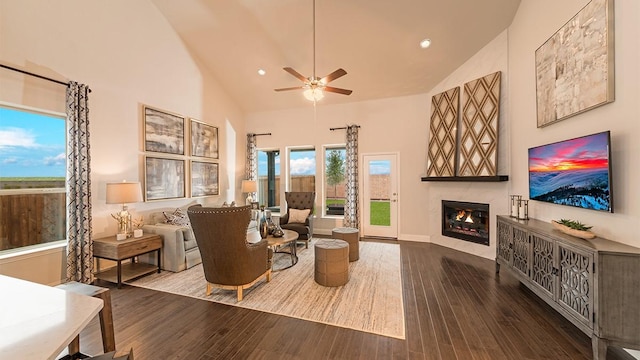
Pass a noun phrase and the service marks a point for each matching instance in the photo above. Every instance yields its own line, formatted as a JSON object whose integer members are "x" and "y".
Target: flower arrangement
{"x": 137, "y": 223}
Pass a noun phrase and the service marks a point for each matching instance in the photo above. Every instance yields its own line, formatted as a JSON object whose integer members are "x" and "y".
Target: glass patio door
{"x": 380, "y": 198}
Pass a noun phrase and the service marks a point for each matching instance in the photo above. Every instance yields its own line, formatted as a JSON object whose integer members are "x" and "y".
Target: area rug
{"x": 371, "y": 301}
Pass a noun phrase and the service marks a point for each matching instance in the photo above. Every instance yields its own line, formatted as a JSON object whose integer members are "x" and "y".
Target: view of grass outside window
{"x": 32, "y": 178}
{"x": 380, "y": 205}
{"x": 269, "y": 179}
{"x": 334, "y": 180}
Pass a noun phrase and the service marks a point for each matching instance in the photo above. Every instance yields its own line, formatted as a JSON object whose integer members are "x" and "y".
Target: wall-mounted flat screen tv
{"x": 575, "y": 172}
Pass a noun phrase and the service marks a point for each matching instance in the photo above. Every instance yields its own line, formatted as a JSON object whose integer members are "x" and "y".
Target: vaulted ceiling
{"x": 375, "y": 41}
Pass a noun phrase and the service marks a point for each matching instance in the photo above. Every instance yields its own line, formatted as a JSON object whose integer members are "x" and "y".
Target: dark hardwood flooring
{"x": 456, "y": 307}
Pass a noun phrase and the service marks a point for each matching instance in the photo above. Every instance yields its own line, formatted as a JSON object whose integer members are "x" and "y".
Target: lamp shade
{"x": 124, "y": 193}
{"x": 249, "y": 186}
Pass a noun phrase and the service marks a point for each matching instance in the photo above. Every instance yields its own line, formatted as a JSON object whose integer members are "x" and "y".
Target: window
{"x": 32, "y": 178}
{"x": 269, "y": 179}
{"x": 334, "y": 180}
{"x": 302, "y": 169}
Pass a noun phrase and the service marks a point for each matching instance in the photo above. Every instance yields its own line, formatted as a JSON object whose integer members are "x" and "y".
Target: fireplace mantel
{"x": 496, "y": 178}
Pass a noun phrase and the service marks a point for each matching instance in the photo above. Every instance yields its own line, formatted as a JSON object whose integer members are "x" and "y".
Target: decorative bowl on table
{"x": 583, "y": 234}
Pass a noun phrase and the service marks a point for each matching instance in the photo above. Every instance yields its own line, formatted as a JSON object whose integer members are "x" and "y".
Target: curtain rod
{"x": 36, "y": 75}
{"x": 343, "y": 128}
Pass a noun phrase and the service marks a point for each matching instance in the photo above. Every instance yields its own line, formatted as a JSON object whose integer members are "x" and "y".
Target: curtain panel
{"x": 351, "y": 211}
{"x": 251, "y": 164}
{"x": 80, "y": 245}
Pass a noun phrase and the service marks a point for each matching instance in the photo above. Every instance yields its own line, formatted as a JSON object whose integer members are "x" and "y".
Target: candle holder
{"x": 514, "y": 205}
{"x": 523, "y": 209}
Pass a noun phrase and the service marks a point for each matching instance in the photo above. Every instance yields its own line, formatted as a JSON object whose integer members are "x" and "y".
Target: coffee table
{"x": 289, "y": 238}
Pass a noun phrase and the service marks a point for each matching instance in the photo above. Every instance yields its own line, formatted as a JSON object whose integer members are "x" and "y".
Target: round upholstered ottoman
{"x": 350, "y": 235}
{"x": 332, "y": 262}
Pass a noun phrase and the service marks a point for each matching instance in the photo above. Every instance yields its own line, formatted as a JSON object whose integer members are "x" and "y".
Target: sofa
{"x": 180, "y": 249}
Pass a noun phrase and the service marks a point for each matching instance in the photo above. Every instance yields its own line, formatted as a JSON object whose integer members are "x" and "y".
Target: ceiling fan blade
{"x": 290, "y": 88}
{"x": 337, "y": 90}
{"x": 334, "y": 75}
{"x": 296, "y": 74}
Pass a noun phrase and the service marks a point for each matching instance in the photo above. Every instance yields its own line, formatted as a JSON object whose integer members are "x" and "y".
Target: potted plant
{"x": 573, "y": 228}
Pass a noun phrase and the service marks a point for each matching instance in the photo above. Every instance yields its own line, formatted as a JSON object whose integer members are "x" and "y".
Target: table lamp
{"x": 123, "y": 193}
{"x": 249, "y": 187}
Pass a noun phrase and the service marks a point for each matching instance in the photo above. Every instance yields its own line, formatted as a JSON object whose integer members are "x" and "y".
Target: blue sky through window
{"x": 31, "y": 145}
{"x": 304, "y": 163}
{"x": 380, "y": 167}
{"x": 301, "y": 163}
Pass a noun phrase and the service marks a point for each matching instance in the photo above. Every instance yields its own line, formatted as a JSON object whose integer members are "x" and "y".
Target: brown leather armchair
{"x": 299, "y": 201}
{"x": 229, "y": 261}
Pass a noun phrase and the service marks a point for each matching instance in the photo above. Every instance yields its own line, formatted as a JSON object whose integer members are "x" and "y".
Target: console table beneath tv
{"x": 593, "y": 283}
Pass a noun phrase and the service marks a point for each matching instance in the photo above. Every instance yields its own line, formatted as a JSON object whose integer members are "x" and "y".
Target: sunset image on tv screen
{"x": 573, "y": 172}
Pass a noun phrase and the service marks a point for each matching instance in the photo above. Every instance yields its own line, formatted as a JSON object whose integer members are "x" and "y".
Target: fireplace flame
{"x": 462, "y": 214}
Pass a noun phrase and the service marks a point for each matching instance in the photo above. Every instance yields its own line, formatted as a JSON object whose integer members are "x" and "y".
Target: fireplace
{"x": 466, "y": 221}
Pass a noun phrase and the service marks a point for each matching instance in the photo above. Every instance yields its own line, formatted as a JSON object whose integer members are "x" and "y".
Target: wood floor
{"x": 456, "y": 307}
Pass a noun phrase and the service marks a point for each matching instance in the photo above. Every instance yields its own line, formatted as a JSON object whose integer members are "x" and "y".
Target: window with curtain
{"x": 302, "y": 169}
{"x": 32, "y": 178}
{"x": 269, "y": 179}
{"x": 334, "y": 180}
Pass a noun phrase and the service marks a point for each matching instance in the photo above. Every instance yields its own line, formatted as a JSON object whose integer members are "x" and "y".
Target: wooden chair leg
{"x": 106, "y": 323}
{"x": 209, "y": 287}
{"x": 239, "y": 293}
{"x": 74, "y": 346}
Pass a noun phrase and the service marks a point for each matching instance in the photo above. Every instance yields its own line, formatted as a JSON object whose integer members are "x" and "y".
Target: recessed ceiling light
{"x": 261, "y": 72}
{"x": 425, "y": 43}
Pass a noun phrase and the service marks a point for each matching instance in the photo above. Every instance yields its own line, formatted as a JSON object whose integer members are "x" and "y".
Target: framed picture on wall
{"x": 163, "y": 131}
{"x": 163, "y": 178}
{"x": 204, "y": 179}
{"x": 575, "y": 66}
{"x": 204, "y": 140}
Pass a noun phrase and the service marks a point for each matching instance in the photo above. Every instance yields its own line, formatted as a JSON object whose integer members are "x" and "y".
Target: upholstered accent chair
{"x": 228, "y": 260}
{"x": 299, "y": 216}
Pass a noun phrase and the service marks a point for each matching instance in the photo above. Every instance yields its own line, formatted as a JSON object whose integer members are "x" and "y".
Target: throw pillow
{"x": 298, "y": 216}
{"x": 179, "y": 217}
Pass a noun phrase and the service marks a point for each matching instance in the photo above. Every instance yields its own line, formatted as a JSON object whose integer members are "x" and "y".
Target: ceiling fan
{"x": 314, "y": 86}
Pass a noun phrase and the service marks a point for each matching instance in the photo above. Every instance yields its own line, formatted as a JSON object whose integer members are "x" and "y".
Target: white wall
{"x": 129, "y": 55}
{"x": 533, "y": 25}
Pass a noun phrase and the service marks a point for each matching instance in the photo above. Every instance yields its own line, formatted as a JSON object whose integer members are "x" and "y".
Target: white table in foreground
{"x": 39, "y": 321}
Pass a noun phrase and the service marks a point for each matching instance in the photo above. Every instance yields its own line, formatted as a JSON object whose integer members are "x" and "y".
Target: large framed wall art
{"x": 575, "y": 66}
{"x": 204, "y": 140}
{"x": 204, "y": 179}
{"x": 163, "y": 131}
{"x": 442, "y": 141}
{"x": 478, "y": 146}
{"x": 163, "y": 178}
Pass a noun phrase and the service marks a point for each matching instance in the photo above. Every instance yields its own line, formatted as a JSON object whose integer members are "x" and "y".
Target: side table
{"x": 118, "y": 250}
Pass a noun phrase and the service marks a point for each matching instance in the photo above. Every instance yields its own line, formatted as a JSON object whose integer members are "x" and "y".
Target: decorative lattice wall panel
{"x": 442, "y": 139}
{"x": 478, "y": 147}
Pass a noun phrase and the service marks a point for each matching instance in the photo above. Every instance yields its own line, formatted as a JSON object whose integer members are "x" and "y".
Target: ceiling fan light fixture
{"x": 313, "y": 94}
{"x": 425, "y": 43}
